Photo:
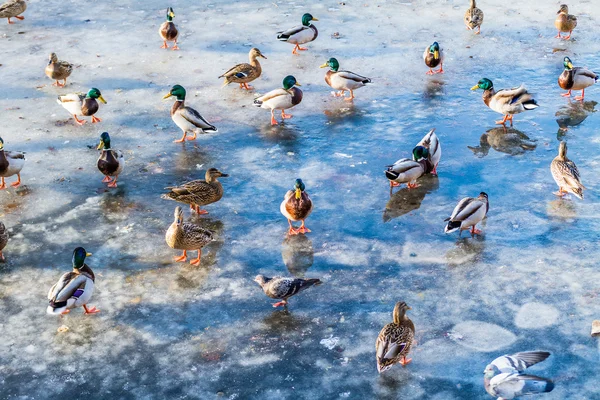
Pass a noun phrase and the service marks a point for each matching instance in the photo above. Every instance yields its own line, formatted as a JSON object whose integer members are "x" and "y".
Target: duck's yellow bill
{"x": 167, "y": 96}
{"x": 436, "y": 54}
{"x": 88, "y": 254}
{"x": 475, "y": 87}
{"x": 315, "y": 19}
{"x": 297, "y": 83}
{"x": 298, "y": 193}
{"x": 325, "y": 65}
{"x": 102, "y": 99}
{"x": 100, "y": 146}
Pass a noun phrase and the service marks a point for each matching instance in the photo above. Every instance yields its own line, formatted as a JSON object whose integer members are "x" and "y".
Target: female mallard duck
{"x": 434, "y": 151}
{"x": 433, "y": 57}
{"x": 343, "y": 80}
{"x": 3, "y": 240}
{"x": 468, "y": 213}
{"x": 301, "y": 34}
{"x": 11, "y": 163}
{"x": 58, "y": 70}
{"x": 576, "y": 78}
{"x": 296, "y": 206}
{"x": 474, "y": 18}
{"x": 282, "y": 288}
{"x": 110, "y": 162}
{"x": 73, "y": 289}
{"x": 199, "y": 192}
{"x": 82, "y": 104}
{"x": 565, "y": 22}
{"x": 245, "y": 73}
{"x": 13, "y": 9}
{"x": 395, "y": 339}
{"x": 168, "y": 31}
{"x": 408, "y": 171}
{"x": 186, "y": 236}
{"x": 506, "y": 101}
{"x": 566, "y": 174}
{"x": 281, "y": 99}
{"x": 186, "y": 118}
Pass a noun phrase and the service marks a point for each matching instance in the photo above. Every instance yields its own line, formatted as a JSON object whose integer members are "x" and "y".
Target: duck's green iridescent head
{"x": 435, "y": 50}
{"x": 94, "y": 93}
{"x": 79, "y": 255}
{"x": 331, "y": 63}
{"x": 289, "y": 82}
{"x": 170, "y": 14}
{"x": 568, "y": 64}
{"x": 299, "y": 187}
{"x": 177, "y": 91}
{"x": 306, "y": 18}
{"x": 104, "y": 141}
{"x": 484, "y": 84}
{"x": 420, "y": 153}
{"x": 1, "y": 144}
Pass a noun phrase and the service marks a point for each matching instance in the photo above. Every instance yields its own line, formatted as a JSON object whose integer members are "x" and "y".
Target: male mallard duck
{"x": 12, "y": 9}
{"x": 474, "y": 18}
{"x": 187, "y": 236}
{"x": 433, "y": 57}
{"x": 11, "y": 163}
{"x": 58, "y": 70}
{"x": 168, "y": 31}
{"x": 395, "y": 339}
{"x": 281, "y": 99}
{"x": 73, "y": 289}
{"x": 565, "y": 22}
{"x": 506, "y": 101}
{"x": 566, "y": 174}
{"x": 301, "y": 34}
{"x": 434, "y": 150}
{"x": 408, "y": 171}
{"x": 110, "y": 162}
{"x": 343, "y": 80}
{"x": 282, "y": 288}
{"x": 296, "y": 206}
{"x": 468, "y": 212}
{"x": 186, "y": 118}
{"x": 82, "y": 104}
{"x": 245, "y": 73}
{"x": 3, "y": 240}
{"x": 199, "y": 192}
{"x": 576, "y": 78}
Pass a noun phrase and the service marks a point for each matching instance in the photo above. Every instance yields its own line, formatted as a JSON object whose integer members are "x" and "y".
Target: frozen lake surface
{"x": 170, "y": 330}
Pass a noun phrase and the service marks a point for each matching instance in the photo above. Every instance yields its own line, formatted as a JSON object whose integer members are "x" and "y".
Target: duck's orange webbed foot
{"x": 475, "y": 231}
{"x": 95, "y": 119}
{"x": 113, "y": 184}
{"x": 19, "y": 17}
{"x": 78, "y": 121}
{"x": 412, "y": 185}
{"x": 175, "y": 47}
{"x": 92, "y": 310}
{"x": 164, "y": 46}
{"x": 280, "y": 303}
{"x": 568, "y": 94}
{"x": 286, "y": 116}
{"x": 405, "y": 361}
{"x": 182, "y": 258}
{"x": 273, "y": 120}
{"x": 303, "y": 230}
{"x": 430, "y": 72}
{"x": 196, "y": 261}
{"x": 394, "y": 184}
{"x": 106, "y": 179}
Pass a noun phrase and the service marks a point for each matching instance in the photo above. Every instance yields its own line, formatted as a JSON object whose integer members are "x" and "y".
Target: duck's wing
{"x": 194, "y": 117}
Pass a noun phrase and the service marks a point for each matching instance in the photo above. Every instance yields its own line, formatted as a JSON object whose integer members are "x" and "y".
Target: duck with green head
{"x": 301, "y": 34}
{"x": 408, "y": 171}
{"x": 73, "y": 289}
{"x": 343, "y": 80}
{"x": 431, "y": 143}
{"x": 281, "y": 99}
{"x": 82, "y": 104}
{"x": 296, "y": 206}
{"x": 576, "y": 78}
{"x": 434, "y": 56}
{"x": 168, "y": 31}
{"x": 186, "y": 118}
{"x": 11, "y": 163}
{"x": 110, "y": 162}
{"x": 506, "y": 101}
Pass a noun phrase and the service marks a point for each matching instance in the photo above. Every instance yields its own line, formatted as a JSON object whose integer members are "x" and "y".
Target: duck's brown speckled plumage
{"x": 57, "y": 69}
{"x": 13, "y": 8}
{"x": 185, "y": 235}
{"x": 564, "y": 21}
{"x": 3, "y": 239}
{"x": 474, "y": 17}
{"x": 565, "y": 173}
{"x": 198, "y": 192}
{"x": 395, "y": 339}
{"x": 245, "y": 73}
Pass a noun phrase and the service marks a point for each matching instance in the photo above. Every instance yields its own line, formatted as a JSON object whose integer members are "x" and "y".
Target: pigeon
{"x": 283, "y": 288}
{"x": 503, "y": 378}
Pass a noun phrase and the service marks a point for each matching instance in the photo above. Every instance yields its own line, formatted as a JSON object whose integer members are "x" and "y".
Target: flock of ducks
{"x": 504, "y": 377}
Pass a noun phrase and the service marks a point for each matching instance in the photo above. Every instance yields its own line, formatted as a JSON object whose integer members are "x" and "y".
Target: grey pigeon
{"x": 283, "y": 288}
{"x": 503, "y": 378}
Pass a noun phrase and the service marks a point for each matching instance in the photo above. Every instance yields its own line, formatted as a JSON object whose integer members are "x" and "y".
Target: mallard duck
{"x": 73, "y": 289}
{"x": 281, "y": 99}
{"x": 474, "y": 18}
{"x": 13, "y": 9}
{"x": 343, "y": 80}
{"x": 434, "y": 151}
{"x": 301, "y": 34}
{"x": 296, "y": 206}
{"x": 395, "y": 339}
{"x": 187, "y": 236}
{"x": 566, "y": 174}
{"x": 468, "y": 213}
{"x": 199, "y": 192}
{"x": 506, "y": 101}
{"x": 282, "y": 288}
{"x": 82, "y": 104}
{"x": 408, "y": 171}
{"x": 245, "y": 73}
{"x": 110, "y": 162}
{"x": 11, "y": 163}
{"x": 168, "y": 31}
{"x": 576, "y": 78}
{"x": 433, "y": 57}
{"x": 58, "y": 70}
{"x": 3, "y": 240}
{"x": 186, "y": 118}
{"x": 565, "y": 22}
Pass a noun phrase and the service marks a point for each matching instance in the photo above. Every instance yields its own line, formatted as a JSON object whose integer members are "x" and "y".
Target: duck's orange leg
{"x": 568, "y": 94}
{"x": 78, "y": 121}
{"x": 558, "y": 36}
{"x": 394, "y": 184}
{"x": 92, "y": 310}
{"x": 503, "y": 120}
{"x": 175, "y": 47}
{"x": 192, "y": 137}
{"x": 2, "y": 183}
{"x": 182, "y": 138}
{"x": 292, "y": 230}
{"x": 351, "y": 96}
{"x": 95, "y": 119}
{"x": 106, "y": 179}
{"x": 196, "y": 261}
{"x": 580, "y": 97}
{"x": 273, "y": 120}
{"x": 18, "y": 182}
{"x": 285, "y": 116}
{"x": 19, "y": 17}
{"x": 303, "y": 229}
{"x": 113, "y": 184}
{"x": 475, "y": 231}
{"x": 405, "y": 361}
{"x": 430, "y": 72}
{"x": 182, "y": 258}
{"x": 164, "y": 46}
{"x": 280, "y": 303}
{"x": 568, "y": 37}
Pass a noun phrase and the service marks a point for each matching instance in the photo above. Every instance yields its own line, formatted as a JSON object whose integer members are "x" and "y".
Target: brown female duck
{"x": 245, "y": 73}
{"x": 395, "y": 339}
{"x": 186, "y": 236}
{"x": 199, "y": 192}
{"x": 565, "y": 22}
{"x": 58, "y": 70}
{"x": 13, "y": 9}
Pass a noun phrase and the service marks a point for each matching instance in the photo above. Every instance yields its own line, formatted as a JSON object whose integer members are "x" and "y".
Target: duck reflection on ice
{"x": 298, "y": 254}
{"x": 573, "y": 114}
{"x": 468, "y": 250}
{"x": 406, "y": 200}
{"x": 504, "y": 140}
{"x": 434, "y": 89}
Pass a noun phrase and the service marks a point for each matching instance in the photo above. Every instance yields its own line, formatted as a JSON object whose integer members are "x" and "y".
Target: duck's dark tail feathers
{"x": 391, "y": 175}
{"x": 530, "y": 104}
{"x": 452, "y": 226}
